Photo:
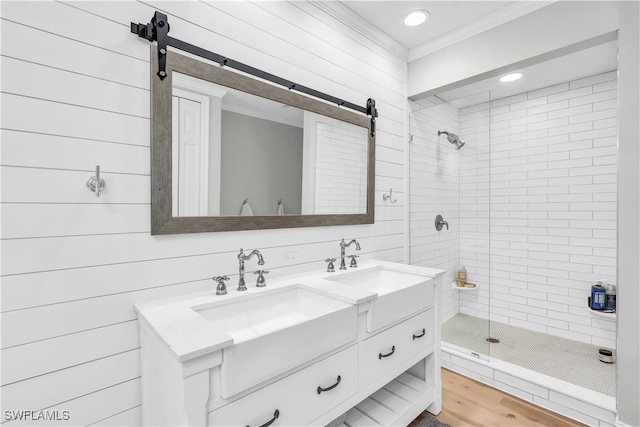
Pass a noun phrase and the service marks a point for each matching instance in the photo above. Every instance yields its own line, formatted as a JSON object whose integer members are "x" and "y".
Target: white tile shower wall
{"x": 553, "y": 206}
{"x": 340, "y": 146}
{"x": 75, "y": 86}
{"x": 434, "y": 186}
{"x": 475, "y": 182}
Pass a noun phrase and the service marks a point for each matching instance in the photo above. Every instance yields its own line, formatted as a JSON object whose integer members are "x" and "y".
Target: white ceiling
{"x": 446, "y": 16}
{"x": 587, "y": 62}
{"x": 454, "y": 20}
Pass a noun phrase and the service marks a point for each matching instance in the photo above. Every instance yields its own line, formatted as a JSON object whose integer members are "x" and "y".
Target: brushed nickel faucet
{"x": 343, "y": 245}
{"x": 241, "y": 259}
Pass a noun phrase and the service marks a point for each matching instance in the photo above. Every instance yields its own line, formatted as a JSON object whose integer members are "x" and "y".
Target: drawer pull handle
{"x": 420, "y": 336}
{"x": 393, "y": 350}
{"x": 320, "y": 389}
{"x": 275, "y": 417}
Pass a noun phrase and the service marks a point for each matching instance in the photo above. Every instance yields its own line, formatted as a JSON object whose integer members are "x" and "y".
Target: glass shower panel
{"x": 474, "y": 328}
{"x": 451, "y": 180}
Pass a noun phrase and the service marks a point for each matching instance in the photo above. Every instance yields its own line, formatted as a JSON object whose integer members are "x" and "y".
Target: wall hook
{"x": 388, "y": 196}
{"x": 91, "y": 183}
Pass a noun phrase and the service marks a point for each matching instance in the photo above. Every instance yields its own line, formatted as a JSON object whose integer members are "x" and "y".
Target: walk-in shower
{"x": 531, "y": 207}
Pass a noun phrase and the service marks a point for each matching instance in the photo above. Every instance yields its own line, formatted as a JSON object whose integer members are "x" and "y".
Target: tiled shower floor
{"x": 567, "y": 360}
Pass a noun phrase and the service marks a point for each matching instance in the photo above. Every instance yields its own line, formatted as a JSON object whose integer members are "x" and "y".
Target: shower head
{"x": 453, "y": 138}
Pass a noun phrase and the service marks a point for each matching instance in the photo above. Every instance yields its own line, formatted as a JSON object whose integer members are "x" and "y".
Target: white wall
{"x": 76, "y": 94}
{"x": 628, "y": 373}
{"x": 559, "y": 28}
{"x": 262, "y": 164}
{"x": 553, "y": 205}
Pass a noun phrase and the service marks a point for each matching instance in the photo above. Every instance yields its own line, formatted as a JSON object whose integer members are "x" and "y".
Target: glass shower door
{"x": 451, "y": 179}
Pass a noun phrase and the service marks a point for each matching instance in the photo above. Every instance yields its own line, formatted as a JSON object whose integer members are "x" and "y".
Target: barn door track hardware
{"x": 158, "y": 30}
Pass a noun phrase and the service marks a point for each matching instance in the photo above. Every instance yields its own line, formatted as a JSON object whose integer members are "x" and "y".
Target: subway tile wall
{"x": 552, "y": 229}
{"x": 341, "y": 167}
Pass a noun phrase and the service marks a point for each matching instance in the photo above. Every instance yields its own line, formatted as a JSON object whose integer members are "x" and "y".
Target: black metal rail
{"x": 158, "y": 30}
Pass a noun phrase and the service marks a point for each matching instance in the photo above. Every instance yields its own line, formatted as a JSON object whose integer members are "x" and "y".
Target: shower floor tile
{"x": 568, "y": 360}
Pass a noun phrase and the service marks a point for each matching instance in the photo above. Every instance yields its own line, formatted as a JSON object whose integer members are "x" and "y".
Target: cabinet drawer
{"x": 296, "y": 397}
{"x": 388, "y": 349}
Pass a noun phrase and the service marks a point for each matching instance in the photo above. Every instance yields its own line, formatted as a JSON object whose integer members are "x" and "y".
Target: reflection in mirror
{"x": 298, "y": 161}
{"x": 235, "y": 153}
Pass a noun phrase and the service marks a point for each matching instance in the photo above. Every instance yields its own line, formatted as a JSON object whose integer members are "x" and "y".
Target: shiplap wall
{"x": 75, "y": 94}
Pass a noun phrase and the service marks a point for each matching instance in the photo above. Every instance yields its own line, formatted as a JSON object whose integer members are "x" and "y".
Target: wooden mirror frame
{"x": 162, "y": 220}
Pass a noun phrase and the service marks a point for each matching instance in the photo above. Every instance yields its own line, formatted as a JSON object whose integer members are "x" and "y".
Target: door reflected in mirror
{"x": 239, "y": 154}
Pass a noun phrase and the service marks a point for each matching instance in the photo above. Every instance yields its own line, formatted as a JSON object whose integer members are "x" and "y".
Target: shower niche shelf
{"x": 462, "y": 288}
{"x": 600, "y": 313}
{"x": 606, "y": 314}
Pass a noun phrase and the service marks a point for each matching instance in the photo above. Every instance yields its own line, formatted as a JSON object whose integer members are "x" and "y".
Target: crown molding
{"x": 349, "y": 18}
{"x": 488, "y": 22}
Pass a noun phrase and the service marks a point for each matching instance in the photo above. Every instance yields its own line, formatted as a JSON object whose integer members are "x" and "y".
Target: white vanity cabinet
{"x": 296, "y": 396}
{"x": 392, "y": 348}
{"x": 385, "y": 377}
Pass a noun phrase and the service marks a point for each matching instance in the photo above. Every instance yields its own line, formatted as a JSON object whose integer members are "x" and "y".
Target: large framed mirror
{"x": 232, "y": 152}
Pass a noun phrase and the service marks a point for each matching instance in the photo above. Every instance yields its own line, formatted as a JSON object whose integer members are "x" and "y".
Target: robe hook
{"x": 95, "y": 183}
{"x": 388, "y": 196}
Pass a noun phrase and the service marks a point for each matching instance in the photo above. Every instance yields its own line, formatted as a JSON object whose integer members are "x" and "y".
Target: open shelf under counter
{"x": 463, "y": 288}
{"x": 382, "y": 407}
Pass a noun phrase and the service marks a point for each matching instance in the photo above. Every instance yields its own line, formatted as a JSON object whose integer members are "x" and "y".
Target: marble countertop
{"x": 188, "y": 335}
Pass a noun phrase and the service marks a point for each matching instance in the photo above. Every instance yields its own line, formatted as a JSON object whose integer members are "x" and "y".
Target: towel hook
{"x": 388, "y": 196}
{"x": 95, "y": 183}
{"x": 245, "y": 201}
{"x": 280, "y": 202}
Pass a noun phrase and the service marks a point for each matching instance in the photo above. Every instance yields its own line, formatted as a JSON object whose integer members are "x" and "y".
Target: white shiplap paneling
{"x": 75, "y": 95}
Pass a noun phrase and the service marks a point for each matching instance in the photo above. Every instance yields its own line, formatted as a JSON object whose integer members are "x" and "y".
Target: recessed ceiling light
{"x": 510, "y": 77}
{"x": 416, "y": 17}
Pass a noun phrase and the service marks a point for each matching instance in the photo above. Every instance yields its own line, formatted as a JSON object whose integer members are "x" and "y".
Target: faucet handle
{"x": 221, "y": 289}
{"x": 330, "y": 267}
{"x": 353, "y": 263}
{"x": 260, "y": 281}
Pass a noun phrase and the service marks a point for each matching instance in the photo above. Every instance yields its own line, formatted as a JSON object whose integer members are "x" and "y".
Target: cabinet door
{"x": 299, "y": 398}
{"x": 388, "y": 349}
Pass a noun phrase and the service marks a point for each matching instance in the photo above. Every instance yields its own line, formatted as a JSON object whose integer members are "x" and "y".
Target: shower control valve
{"x": 440, "y": 222}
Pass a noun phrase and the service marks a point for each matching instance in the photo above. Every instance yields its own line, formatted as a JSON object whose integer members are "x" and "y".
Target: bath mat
{"x": 431, "y": 422}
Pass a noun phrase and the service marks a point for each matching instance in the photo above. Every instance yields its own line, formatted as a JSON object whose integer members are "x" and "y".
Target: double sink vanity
{"x": 359, "y": 346}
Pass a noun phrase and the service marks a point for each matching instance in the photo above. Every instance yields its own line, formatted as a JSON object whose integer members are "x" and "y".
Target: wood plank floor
{"x": 466, "y": 402}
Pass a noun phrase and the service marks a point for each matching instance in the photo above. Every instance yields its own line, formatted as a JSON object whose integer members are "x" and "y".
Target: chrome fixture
{"x": 344, "y": 245}
{"x": 95, "y": 183}
{"x": 353, "y": 263}
{"x": 221, "y": 289}
{"x": 260, "y": 282}
{"x": 440, "y": 222}
{"x": 330, "y": 267}
{"x": 241, "y": 259}
{"x": 453, "y": 138}
{"x": 389, "y": 196}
